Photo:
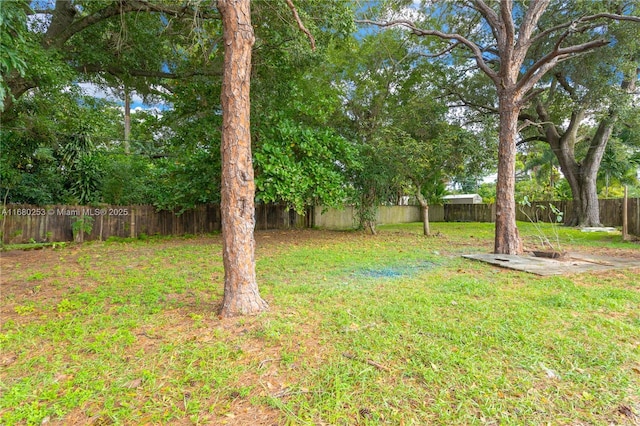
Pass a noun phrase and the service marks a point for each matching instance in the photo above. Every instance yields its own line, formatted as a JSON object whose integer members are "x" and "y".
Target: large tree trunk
{"x": 586, "y": 210}
{"x": 507, "y": 239}
{"x": 582, "y": 176}
{"x": 241, "y": 294}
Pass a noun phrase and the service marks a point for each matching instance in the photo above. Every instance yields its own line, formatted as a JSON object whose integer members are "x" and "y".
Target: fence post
{"x": 132, "y": 224}
{"x": 625, "y": 228}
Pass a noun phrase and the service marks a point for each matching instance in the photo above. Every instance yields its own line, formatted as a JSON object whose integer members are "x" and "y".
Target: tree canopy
{"x": 368, "y": 116}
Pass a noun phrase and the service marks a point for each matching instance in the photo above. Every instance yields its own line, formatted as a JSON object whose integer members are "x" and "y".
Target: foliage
{"x": 48, "y": 153}
{"x": 181, "y": 183}
{"x": 81, "y": 225}
{"x": 390, "y": 109}
{"x": 302, "y": 166}
{"x": 13, "y": 35}
{"x": 127, "y": 179}
{"x": 488, "y": 192}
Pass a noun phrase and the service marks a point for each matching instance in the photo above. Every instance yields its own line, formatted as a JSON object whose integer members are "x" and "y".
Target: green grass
{"x": 393, "y": 329}
{"x": 31, "y": 246}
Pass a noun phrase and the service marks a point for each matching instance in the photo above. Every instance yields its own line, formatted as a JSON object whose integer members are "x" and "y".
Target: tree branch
{"x": 477, "y": 52}
{"x": 467, "y": 103}
{"x": 119, "y": 72}
{"x": 117, "y": 8}
{"x": 547, "y": 62}
{"x": 488, "y": 13}
{"x": 491, "y": 17}
{"x": 539, "y": 138}
{"x": 301, "y": 25}
{"x": 611, "y": 16}
{"x": 562, "y": 80}
{"x": 529, "y": 23}
{"x": 549, "y": 128}
{"x": 574, "y": 124}
{"x": 442, "y": 52}
{"x": 531, "y": 95}
{"x": 506, "y": 18}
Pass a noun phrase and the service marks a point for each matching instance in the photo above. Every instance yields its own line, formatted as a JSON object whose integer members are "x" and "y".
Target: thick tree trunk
{"x": 241, "y": 294}
{"x": 586, "y": 210}
{"x": 507, "y": 239}
{"x": 582, "y": 176}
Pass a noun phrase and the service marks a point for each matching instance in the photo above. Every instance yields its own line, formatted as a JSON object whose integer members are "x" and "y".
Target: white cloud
{"x": 90, "y": 89}
{"x": 137, "y": 102}
{"x": 39, "y": 22}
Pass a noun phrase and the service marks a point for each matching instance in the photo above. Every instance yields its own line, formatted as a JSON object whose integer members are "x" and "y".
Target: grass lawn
{"x": 391, "y": 329}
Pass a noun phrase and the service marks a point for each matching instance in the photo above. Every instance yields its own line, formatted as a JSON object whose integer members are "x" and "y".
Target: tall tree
{"x": 499, "y": 36}
{"x": 241, "y": 295}
{"x": 392, "y": 113}
{"x": 579, "y": 93}
{"x": 89, "y": 37}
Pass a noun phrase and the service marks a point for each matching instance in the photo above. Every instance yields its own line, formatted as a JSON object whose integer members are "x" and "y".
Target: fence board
{"x": 469, "y": 213}
{"x": 24, "y": 223}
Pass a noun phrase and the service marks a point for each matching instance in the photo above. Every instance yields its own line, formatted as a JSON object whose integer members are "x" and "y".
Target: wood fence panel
{"x": 610, "y": 212}
{"x": 469, "y": 213}
{"x": 23, "y": 223}
{"x": 633, "y": 216}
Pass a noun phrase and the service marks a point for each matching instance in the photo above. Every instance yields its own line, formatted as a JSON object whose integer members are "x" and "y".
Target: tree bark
{"x": 507, "y": 238}
{"x": 425, "y": 213}
{"x": 581, "y": 176}
{"x": 241, "y": 295}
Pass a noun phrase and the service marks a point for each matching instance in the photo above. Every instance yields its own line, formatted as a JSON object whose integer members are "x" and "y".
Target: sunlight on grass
{"x": 392, "y": 329}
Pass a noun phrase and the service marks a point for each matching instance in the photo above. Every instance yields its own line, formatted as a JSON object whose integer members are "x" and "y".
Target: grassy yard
{"x": 394, "y": 329}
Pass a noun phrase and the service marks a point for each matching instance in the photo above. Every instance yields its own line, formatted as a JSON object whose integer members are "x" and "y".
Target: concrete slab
{"x": 599, "y": 229}
{"x": 573, "y": 263}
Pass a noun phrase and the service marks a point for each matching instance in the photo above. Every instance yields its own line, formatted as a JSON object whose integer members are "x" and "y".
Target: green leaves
{"x": 300, "y": 165}
{"x": 13, "y": 38}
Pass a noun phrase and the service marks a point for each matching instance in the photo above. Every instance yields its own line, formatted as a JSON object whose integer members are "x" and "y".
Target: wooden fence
{"x": 25, "y": 223}
{"x": 469, "y": 213}
{"x": 610, "y": 212}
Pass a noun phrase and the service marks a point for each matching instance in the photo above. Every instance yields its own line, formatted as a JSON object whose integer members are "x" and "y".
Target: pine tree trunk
{"x": 507, "y": 239}
{"x": 241, "y": 294}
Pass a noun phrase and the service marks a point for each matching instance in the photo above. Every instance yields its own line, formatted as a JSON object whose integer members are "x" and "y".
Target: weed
{"x": 65, "y": 305}
{"x": 24, "y": 309}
